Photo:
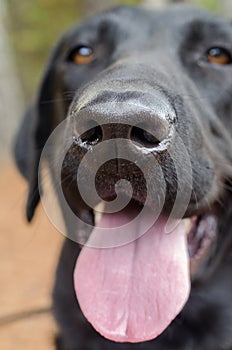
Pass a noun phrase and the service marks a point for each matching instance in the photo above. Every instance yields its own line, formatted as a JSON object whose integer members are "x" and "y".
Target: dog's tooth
{"x": 100, "y": 207}
{"x": 98, "y": 217}
{"x": 187, "y": 224}
{"x": 98, "y": 210}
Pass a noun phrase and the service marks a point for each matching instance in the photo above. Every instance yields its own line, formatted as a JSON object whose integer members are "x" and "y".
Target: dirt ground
{"x": 28, "y": 254}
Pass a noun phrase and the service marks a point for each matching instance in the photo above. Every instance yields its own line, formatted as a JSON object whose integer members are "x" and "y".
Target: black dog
{"x": 162, "y": 81}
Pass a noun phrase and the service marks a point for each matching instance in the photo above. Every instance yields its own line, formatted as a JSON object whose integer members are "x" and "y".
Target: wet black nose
{"x": 149, "y": 127}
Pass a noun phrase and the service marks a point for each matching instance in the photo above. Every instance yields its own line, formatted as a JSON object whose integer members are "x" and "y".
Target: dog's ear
{"x": 34, "y": 131}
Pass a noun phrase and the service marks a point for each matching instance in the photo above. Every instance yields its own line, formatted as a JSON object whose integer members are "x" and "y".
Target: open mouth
{"x": 200, "y": 231}
{"x": 133, "y": 292}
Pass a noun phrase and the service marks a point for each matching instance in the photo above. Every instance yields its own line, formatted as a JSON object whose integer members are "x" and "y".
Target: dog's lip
{"x": 201, "y": 239}
{"x": 201, "y": 232}
{"x": 201, "y": 236}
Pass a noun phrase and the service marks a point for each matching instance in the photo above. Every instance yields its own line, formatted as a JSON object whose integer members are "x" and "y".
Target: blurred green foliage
{"x": 35, "y": 25}
{"x": 212, "y": 5}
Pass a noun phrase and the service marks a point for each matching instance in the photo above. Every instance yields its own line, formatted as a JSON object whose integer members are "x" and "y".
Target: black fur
{"x": 165, "y": 51}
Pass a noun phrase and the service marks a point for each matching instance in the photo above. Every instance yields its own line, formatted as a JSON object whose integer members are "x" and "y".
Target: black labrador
{"x": 150, "y": 95}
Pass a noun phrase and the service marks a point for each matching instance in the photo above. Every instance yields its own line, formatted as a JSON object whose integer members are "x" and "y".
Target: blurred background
{"x": 28, "y": 31}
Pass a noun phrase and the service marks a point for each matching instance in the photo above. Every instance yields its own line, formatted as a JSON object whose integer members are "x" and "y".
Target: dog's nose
{"x": 144, "y": 127}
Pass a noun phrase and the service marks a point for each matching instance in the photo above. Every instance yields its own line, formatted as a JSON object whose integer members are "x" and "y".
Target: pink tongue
{"x": 132, "y": 293}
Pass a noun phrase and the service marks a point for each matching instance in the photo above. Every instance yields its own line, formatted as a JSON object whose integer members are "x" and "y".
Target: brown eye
{"x": 82, "y": 55}
{"x": 218, "y": 55}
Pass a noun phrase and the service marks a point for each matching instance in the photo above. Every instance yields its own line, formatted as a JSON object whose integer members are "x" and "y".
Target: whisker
{"x": 227, "y": 187}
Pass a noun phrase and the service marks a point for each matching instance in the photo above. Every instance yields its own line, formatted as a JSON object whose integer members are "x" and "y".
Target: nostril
{"x": 151, "y": 134}
{"x": 144, "y": 137}
{"x": 92, "y": 136}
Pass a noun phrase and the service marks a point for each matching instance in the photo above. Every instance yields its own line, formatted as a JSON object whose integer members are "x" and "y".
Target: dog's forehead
{"x": 141, "y": 24}
{"x": 188, "y": 17}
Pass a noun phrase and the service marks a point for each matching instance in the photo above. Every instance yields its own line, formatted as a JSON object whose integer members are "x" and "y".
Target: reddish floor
{"x": 28, "y": 254}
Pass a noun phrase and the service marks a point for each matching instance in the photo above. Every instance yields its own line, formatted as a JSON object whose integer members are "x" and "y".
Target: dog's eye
{"x": 82, "y": 55}
{"x": 219, "y": 55}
